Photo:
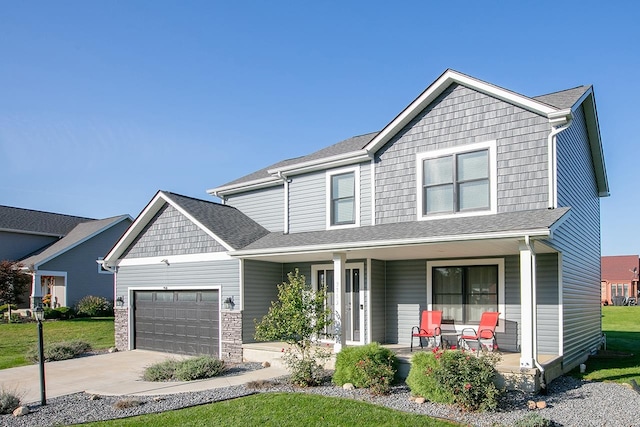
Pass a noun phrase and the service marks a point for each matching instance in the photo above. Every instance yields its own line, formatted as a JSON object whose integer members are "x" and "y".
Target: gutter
{"x": 534, "y": 321}
{"x": 559, "y": 121}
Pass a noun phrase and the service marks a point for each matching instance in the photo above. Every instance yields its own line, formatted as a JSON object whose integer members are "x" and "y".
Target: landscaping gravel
{"x": 570, "y": 402}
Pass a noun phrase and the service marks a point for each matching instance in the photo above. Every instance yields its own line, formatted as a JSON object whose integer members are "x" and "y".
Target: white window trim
{"x": 469, "y": 262}
{"x": 493, "y": 178}
{"x": 356, "y": 177}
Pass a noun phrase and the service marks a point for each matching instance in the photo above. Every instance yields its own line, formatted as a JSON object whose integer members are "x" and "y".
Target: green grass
{"x": 282, "y": 409}
{"x": 622, "y": 327}
{"x": 18, "y": 338}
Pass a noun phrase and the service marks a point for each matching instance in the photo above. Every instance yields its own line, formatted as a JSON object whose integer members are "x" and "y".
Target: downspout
{"x": 552, "y": 158}
{"x": 286, "y": 182}
{"x": 534, "y": 320}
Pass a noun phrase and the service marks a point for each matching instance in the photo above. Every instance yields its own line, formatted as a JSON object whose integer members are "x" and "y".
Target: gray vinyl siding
{"x": 261, "y": 280}
{"x": 579, "y": 240}
{"x": 224, "y": 274}
{"x": 462, "y": 116}
{"x": 406, "y": 298}
{"x": 14, "y": 246}
{"x": 510, "y": 339}
{"x": 548, "y": 304}
{"x": 303, "y": 267}
{"x": 365, "y": 194}
{"x": 378, "y": 302}
{"x": 265, "y": 206}
{"x": 307, "y": 203}
{"x": 82, "y": 270}
{"x": 171, "y": 233}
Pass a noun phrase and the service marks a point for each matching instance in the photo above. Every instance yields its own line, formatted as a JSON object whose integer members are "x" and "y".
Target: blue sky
{"x": 102, "y": 103}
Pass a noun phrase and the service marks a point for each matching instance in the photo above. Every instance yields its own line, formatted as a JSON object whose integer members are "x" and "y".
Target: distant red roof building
{"x": 619, "y": 278}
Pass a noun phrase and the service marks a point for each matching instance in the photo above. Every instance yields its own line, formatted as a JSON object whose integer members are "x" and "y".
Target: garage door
{"x": 182, "y": 322}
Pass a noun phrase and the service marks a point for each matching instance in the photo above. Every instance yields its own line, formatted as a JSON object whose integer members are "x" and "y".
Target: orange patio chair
{"x": 486, "y": 332}
{"x": 429, "y": 328}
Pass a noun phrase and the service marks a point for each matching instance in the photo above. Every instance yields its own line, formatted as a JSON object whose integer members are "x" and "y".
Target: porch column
{"x": 36, "y": 289}
{"x": 527, "y": 288}
{"x": 339, "y": 261}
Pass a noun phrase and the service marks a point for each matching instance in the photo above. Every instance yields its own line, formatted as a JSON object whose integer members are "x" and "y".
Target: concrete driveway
{"x": 111, "y": 374}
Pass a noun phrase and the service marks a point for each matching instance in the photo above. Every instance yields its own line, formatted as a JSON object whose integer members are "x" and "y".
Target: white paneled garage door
{"x": 181, "y": 322}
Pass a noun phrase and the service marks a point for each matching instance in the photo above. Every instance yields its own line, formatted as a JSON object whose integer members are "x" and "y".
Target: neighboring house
{"x": 60, "y": 252}
{"x": 474, "y": 198}
{"x": 619, "y": 280}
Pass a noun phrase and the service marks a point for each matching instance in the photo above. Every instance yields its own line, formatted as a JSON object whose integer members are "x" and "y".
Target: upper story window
{"x": 343, "y": 198}
{"x": 459, "y": 181}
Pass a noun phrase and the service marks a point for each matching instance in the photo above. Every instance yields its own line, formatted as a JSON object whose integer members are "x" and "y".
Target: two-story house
{"x": 473, "y": 198}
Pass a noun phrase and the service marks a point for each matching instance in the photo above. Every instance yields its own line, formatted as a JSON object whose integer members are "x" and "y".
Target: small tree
{"x": 299, "y": 317}
{"x": 14, "y": 282}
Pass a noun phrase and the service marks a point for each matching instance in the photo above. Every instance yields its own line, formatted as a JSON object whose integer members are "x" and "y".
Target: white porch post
{"x": 36, "y": 289}
{"x": 339, "y": 261}
{"x": 527, "y": 288}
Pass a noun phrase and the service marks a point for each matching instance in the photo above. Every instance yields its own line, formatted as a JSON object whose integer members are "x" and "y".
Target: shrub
{"x": 5, "y": 307}
{"x": 162, "y": 371}
{"x": 456, "y": 376}
{"x": 60, "y": 351}
{"x": 93, "y": 306}
{"x": 199, "y": 368}
{"x": 305, "y": 371}
{"x": 184, "y": 370}
{"x": 66, "y": 313}
{"x": 532, "y": 420}
{"x": 370, "y": 366}
{"x": 8, "y": 402}
{"x": 50, "y": 313}
{"x": 422, "y": 381}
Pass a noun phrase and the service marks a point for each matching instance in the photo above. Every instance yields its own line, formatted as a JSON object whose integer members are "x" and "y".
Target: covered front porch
{"x": 510, "y": 375}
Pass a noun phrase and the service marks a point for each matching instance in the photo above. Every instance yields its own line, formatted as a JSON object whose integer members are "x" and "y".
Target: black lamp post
{"x": 39, "y": 313}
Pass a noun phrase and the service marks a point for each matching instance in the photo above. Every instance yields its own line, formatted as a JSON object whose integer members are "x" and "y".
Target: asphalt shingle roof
{"x": 564, "y": 98}
{"x": 76, "y": 235}
{"x": 27, "y": 220}
{"x": 226, "y": 222}
{"x": 502, "y": 222}
{"x": 348, "y": 145}
{"x": 619, "y": 267}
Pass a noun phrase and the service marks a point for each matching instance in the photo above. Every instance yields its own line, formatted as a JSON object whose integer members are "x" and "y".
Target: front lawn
{"x": 621, "y": 362}
{"x": 17, "y": 338}
{"x": 282, "y": 409}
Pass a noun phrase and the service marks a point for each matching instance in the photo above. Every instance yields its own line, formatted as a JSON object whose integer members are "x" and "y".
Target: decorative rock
{"x": 20, "y": 411}
{"x": 531, "y": 404}
{"x": 412, "y": 398}
{"x": 541, "y": 404}
{"x": 420, "y": 400}
{"x": 348, "y": 386}
{"x": 94, "y": 397}
{"x": 113, "y": 350}
{"x": 266, "y": 364}
{"x": 158, "y": 399}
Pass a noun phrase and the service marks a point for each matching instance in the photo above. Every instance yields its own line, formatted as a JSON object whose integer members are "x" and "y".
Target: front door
{"x": 354, "y": 301}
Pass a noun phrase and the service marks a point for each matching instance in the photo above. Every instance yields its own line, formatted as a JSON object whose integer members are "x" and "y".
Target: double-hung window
{"x": 342, "y": 200}
{"x": 457, "y": 181}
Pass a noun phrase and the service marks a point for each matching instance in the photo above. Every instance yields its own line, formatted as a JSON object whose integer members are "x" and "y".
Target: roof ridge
{"x": 213, "y": 202}
{"x": 559, "y": 91}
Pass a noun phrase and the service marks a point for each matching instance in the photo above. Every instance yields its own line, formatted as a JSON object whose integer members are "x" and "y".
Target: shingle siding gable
{"x": 461, "y": 116}
{"x": 171, "y": 233}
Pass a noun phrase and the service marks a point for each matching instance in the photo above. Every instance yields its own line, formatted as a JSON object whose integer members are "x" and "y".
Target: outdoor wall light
{"x": 228, "y": 303}
{"x": 120, "y": 301}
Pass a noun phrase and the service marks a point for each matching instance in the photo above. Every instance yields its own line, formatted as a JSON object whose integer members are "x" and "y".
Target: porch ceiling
{"x": 440, "y": 250}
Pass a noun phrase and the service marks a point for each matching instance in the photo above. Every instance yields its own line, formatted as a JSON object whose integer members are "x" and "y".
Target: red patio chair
{"x": 429, "y": 328}
{"x": 486, "y": 331}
